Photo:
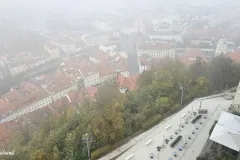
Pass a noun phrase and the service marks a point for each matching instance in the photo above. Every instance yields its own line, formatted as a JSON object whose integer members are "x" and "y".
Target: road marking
{"x": 129, "y": 157}
{"x": 148, "y": 142}
{"x": 167, "y": 127}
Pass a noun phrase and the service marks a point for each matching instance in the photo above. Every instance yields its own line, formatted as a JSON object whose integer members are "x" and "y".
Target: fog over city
{"x": 119, "y": 79}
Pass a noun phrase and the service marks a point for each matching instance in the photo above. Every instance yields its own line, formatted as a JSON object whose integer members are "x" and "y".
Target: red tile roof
{"x": 5, "y": 107}
{"x": 106, "y": 70}
{"x": 127, "y": 82}
{"x": 99, "y": 54}
{"x": 60, "y": 103}
{"x": 91, "y": 91}
{"x": 190, "y": 55}
{"x": 89, "y": 70}
{"x": 235, "y": 56}
{"x": 55, "y": 82}
{"x": 80, "y": 67}
{"x": 75, "y": 96}
{"x": 83, "y": 66}
{"x": 25, "y": 94}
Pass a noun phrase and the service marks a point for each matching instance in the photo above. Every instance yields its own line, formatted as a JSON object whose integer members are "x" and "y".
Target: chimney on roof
{"x": 68, "y": 98}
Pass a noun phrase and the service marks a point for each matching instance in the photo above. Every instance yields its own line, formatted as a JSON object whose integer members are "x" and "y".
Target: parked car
{"x": 202, "y": 111}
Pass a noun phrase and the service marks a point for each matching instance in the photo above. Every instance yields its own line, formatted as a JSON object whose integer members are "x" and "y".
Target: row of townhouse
{"x": 168, "y": 36}
{"x": 74, "y": 74}
{"x": 67, "y": 46}
{"x": 224, "y": 46}
{"x": 74, "y": 43}
{"x": 52, "y": 49}
{"x": 37, "y": 93}
{"x": 96, "y": 39}
{"x": 210, "y": 41}
{"x": 189, "y": 57}
{"x": 21, "y": 62}
{"x": 150, "y": 53}
{"x": 24, "y": 99}
{"x": 157, "y": 50}
{"x": 98, "y": 68}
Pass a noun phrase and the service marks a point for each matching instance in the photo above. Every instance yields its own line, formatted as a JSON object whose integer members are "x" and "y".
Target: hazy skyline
{"x": 63, "y": 4}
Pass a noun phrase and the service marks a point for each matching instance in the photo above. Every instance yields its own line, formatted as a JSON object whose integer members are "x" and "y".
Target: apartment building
{"x": 52, "y": 49}
{"x": 157, "y": 50}
{"x": 223, "y": 47}
{"x": 95, "y": 40}
{"x": 168, "y": 36}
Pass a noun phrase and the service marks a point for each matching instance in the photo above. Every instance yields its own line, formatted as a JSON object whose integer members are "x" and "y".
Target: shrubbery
{"x": 151, "y": 122}
{"x": 100, "y": 152}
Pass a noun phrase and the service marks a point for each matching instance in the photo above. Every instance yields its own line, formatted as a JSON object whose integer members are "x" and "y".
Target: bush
{"x": 151, "y": 122}
{"x": 236, "y": 113}
{"x": 100, "y": 152}
{"x": 210, "y": 131}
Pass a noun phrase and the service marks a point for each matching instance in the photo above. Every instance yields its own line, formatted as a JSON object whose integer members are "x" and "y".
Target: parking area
{"x": 181, "y": 136}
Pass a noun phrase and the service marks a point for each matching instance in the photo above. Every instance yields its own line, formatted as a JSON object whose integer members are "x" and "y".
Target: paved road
{"x": 141, "y": 151}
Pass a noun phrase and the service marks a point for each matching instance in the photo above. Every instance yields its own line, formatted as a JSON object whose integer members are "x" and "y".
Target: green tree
{"x": 109, "y": 127}
{"x": 198, "y": 68}
{"x": 221, "y": 73}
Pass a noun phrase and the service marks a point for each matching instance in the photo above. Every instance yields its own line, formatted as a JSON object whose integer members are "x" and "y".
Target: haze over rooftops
{"x": 156, "y": 46}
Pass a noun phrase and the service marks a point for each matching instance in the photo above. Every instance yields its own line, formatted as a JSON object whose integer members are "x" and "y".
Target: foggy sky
{"x": 68, "y": 4}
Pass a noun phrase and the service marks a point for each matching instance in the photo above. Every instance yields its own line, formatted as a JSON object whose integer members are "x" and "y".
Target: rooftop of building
{"x": 188, "y": 57}
{"x": 166, "y": 33}
{"x": 91, "y": 91}
{"x": 127, "y": 82}
{"x": 5, "y": 108}
{"x": 235, "y": 56}
{"x": 155, "y": 46}
{"x": 25, "y": 94}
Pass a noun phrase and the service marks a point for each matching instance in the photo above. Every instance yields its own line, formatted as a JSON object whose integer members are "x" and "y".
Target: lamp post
{"x": 182, "y": 89}
{"x": 163, "y": 138}
{"x": 225, "y": 89}
{"x": 185, "y": 141}
{"x": 180, "y": 125}
{"x": 200, "y": 103}
{"x": 88, "y": 140}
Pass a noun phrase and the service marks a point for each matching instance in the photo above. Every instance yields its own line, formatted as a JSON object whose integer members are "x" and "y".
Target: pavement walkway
{"x": 138, "y": 145}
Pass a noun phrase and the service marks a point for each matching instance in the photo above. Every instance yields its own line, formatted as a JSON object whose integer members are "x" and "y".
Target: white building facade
{"x": 157, "y": 50}
{"x": 28, "y": 109}
{"x": 167, "y": 36}
{"x": 223, "y": 47}
{"x": 64, "y": 92}
{"x": 236, "y": 100}
{"x": 91, "y": 79}
{"x": 18, "y": 69}
{"x": 52, "y": 50}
